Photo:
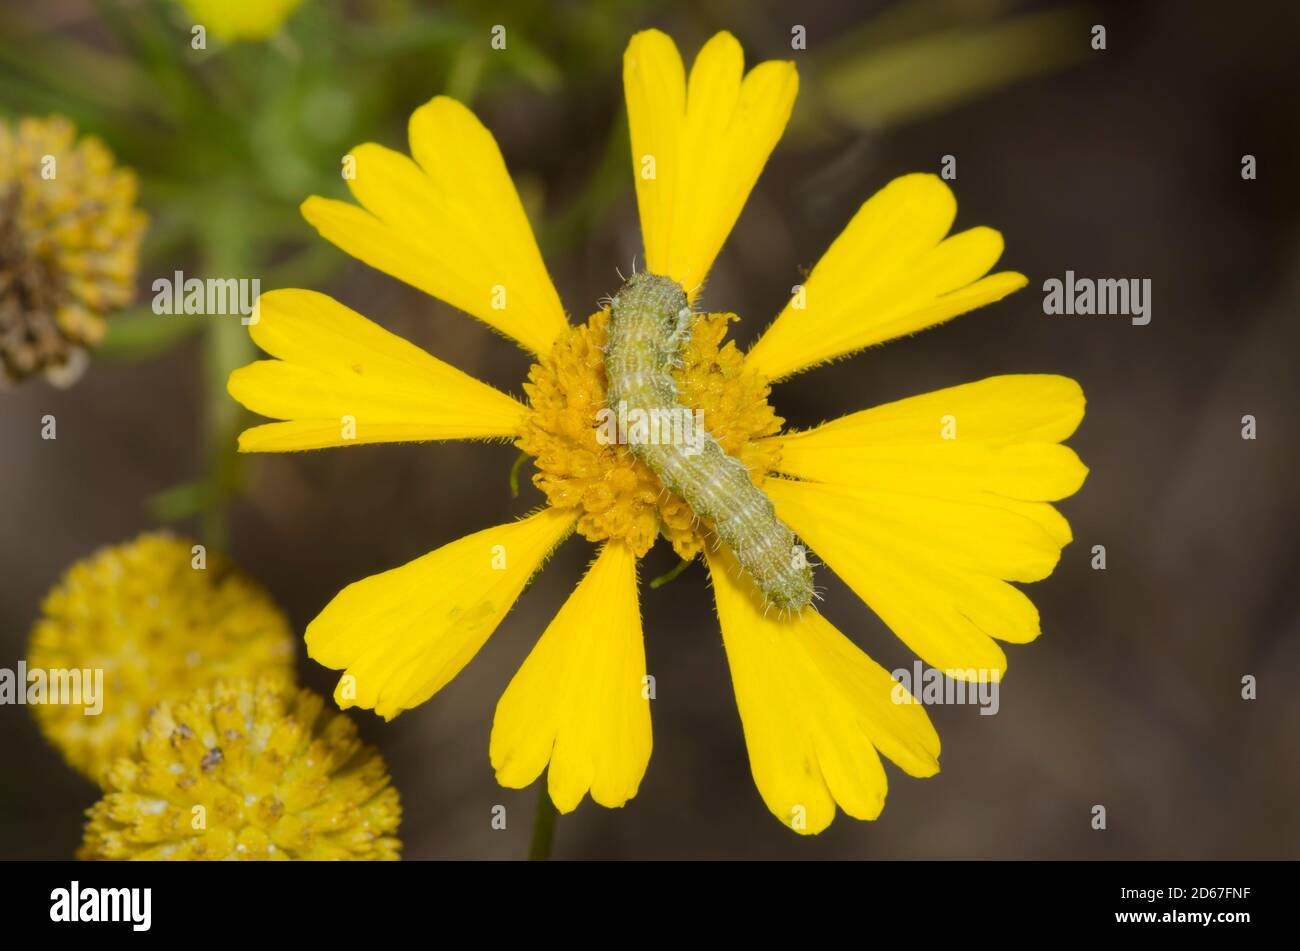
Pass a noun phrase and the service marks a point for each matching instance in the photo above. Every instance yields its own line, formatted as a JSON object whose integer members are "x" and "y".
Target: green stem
{"x": 227, "y": 345}
{"x": 543, "y": 826}
{"x": 514, "y": 474}
{"x": 670, "y": 575}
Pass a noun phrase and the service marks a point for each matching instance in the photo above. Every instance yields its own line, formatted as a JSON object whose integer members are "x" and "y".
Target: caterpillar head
{"x": 792, "y": 589}
{"x": 655, "y": 296}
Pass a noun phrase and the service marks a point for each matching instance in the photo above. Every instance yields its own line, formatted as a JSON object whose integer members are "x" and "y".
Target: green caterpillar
{"x": 650, "y": 322}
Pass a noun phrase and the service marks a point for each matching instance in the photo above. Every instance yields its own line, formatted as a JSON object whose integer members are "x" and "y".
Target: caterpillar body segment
{"x": 650, "y": 323}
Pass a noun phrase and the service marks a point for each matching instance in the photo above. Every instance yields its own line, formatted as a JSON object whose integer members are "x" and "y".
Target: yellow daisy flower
{"x": 233, "y": 20}
{"x": 927, "y": 530}
{"x": 244, "y": 770}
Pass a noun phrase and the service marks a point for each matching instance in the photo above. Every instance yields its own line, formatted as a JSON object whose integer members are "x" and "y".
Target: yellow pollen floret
{"x": 157, "y": 627}
{"x": 247, "y": 770}
{"x": 617, "y": 495}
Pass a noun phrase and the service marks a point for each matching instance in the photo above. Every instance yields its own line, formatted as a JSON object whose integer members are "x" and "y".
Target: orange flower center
{"x": 616, "y": 495}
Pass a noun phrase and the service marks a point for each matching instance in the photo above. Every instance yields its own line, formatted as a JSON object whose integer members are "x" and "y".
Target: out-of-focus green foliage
{"x": 870, "y": 84}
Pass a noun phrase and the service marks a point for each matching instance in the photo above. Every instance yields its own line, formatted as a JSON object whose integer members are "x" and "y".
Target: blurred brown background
{"x": 1125, "y": 163}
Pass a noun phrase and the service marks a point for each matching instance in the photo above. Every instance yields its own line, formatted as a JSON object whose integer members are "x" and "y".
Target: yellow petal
{"x": 815, "y": 709}
{"x": 402, "y": 635}
{"x": 343, "y": 380}
{"x": 997, "y": 435}
{"x": 698, "y": 147}
{"x": 448, "y": 222}
{"x": 930, "y": 549}
{"x": 578, "y": 701}
{"x": 928, "y": 506}
{"x": 890, "y": 273}
{"x": 241, "y": 19}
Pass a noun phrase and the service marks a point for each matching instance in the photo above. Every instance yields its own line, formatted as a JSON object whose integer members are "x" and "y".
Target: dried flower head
{"x": 69, "y": 246}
